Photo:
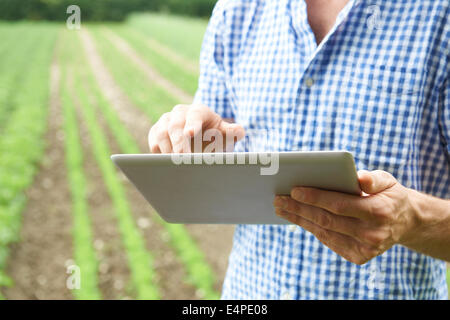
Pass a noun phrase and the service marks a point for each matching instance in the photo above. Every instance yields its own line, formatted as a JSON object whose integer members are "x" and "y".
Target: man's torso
{"x": 372, "y": 87}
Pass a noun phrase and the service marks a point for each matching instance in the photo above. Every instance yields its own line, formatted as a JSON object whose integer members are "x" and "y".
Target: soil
{"x": 37, "y": 263}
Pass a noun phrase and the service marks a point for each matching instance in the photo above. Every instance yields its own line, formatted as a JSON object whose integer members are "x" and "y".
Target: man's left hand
{"x": 358, "y": 228}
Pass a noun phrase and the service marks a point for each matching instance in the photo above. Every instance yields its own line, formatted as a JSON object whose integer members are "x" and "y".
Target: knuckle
{"x": 295, "y": 219}
{"x": 161, "y": 134}
{"x": 340, "y": 206}
{"x": 375, "y": 239}
{"x": 193, "y": 113}
{"x": 164, "y": 117}
{"x": 324, "y": 220}
{"x": 322, "y": 235}
{"x": 309, "y": 195}
{"x": 175, "y": 123}
{"x": 291, "y": 206}
{"x": 198, "y": 108}
{"x": 381, "y": 210}
{"x": 178, "y": 107}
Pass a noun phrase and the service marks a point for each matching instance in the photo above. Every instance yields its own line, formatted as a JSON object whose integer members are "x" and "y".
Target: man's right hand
{"x": 176, "y": 131}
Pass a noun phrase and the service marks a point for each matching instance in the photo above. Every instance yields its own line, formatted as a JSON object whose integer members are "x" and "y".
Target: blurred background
{"x": 71, "y": 226}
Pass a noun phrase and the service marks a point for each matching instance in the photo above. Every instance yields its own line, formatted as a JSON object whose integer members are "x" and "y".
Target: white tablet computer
{"x": 232, "y": 188}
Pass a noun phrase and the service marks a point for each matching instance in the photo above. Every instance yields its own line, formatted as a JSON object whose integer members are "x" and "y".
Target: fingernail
{"x": 297, "y": 194}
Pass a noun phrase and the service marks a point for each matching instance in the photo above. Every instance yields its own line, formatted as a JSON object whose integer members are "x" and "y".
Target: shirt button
{"x": 292, "y": 228}
{"x": 286, "y": 296}
{"x": 309, "y": 82}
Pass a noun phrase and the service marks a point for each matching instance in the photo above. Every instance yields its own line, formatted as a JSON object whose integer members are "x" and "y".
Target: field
{"x": 68, "y": 100}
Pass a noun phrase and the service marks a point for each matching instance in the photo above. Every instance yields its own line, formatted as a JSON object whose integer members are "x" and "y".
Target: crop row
{"x": 139, "y": 259}
{"x": 199, "y": 272}
{"x": 154, "y": 101}
{"x": 168, "y": 68}
{"x": 21, "y": 144}
{"x": 83, "y": 251}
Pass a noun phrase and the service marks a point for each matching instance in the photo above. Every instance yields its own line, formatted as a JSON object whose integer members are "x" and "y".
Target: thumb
{"x": 375, "y": 181}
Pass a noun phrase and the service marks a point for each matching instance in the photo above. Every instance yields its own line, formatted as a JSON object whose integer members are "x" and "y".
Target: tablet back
{"x": 234, "y": 193}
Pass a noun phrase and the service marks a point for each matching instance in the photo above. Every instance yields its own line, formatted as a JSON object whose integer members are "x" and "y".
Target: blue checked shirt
{"x": 378, "y": 86}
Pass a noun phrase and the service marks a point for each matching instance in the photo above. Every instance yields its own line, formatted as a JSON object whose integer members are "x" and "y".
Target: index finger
{"x": 180, "y": 143}
{"x": 335, "y": 202}
{"x": 195, "y": 119}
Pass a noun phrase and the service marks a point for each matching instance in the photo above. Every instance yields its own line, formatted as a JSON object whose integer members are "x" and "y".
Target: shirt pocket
{"x": 395, "y": 80}
{"x": 391, "y": 104}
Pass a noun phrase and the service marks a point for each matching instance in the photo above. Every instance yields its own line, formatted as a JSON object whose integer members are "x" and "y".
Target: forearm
{"x": 431, "y": 235}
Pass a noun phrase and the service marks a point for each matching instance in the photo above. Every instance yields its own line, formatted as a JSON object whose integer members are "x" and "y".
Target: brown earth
{"x": 37, "y": 263}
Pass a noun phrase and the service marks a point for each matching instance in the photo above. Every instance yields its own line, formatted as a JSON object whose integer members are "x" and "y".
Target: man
{"x": 370, "y": 77}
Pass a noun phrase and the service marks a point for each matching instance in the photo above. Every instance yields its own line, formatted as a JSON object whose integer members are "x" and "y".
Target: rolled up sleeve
{"x": 212, "y": 89}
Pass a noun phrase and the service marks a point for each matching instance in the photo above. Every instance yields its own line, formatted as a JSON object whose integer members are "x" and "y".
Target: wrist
{"x": 426, "y": 218}
{"x": 419, "y": 217}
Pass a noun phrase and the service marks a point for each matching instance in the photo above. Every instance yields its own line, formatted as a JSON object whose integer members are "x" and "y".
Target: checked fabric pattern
{"x": 378, "y": 86}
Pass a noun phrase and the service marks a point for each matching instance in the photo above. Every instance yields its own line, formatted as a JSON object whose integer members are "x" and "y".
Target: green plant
{"x": 83, "y": 251}
{"x": 21, "y": 144}
{"x": 139, "y": 259}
